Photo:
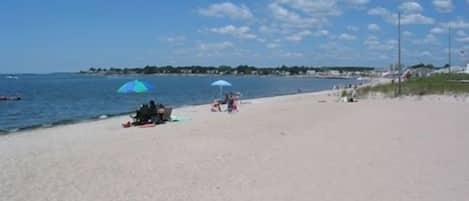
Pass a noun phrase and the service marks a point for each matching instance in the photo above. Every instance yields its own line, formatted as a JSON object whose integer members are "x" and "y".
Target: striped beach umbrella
{"x": 135, "y": 86}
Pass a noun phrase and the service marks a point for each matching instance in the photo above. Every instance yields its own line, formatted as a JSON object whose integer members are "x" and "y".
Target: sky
{"x": 43, "y": 36}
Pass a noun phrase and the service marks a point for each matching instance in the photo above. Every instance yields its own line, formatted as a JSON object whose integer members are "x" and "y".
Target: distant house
{"x": 454, "y": 69}
{"x": 311, "y": 72}
{"x": 420, "y": 72}
{"x": 212, "y": 71}
{"x": 186, "y": 71}
{"x": 334, "y": 72}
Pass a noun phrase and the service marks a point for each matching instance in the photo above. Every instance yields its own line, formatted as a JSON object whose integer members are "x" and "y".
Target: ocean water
{"x": 54, "y": 99}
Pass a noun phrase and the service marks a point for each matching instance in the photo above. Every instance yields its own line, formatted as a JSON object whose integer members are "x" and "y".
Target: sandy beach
{"x": 298, "y": 147}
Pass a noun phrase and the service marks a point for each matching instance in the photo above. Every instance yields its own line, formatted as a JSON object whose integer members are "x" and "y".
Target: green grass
{"x": 453, "y": 84}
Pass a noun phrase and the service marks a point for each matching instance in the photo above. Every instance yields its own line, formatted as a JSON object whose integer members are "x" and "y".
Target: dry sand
{"x": 300, "y": 147}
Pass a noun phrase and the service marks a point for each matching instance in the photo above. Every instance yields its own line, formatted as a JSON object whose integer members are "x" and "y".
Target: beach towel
{"x": 147, "y": 126}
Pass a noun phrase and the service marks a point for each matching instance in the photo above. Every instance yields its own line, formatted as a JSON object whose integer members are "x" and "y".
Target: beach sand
{"x": 299, "y": 147}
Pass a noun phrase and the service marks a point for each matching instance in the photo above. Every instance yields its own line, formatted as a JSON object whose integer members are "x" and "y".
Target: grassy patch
{"x": 435, "y": 84}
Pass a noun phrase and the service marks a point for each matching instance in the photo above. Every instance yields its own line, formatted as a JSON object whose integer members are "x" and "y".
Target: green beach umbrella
{"x": 135, "y": 86}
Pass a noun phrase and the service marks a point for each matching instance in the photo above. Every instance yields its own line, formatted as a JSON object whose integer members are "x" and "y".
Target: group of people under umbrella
{"x": 156, "y": 113}
{"x": 231, "y": 99}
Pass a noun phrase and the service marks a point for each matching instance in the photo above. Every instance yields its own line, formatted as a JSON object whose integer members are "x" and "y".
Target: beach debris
{"x": 10, "y": 98}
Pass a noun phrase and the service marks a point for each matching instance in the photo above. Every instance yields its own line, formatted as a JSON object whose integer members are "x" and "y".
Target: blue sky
{"x": 41, "y": 36}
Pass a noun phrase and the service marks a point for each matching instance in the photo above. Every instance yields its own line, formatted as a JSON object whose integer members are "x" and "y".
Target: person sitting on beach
{"x": 145, "y": 114}
{"x": 142, "y": 116}
{"x": 156, "y": 112}
{"x": 232, "y": 104}
{"x": 216, "y": 106}
{"x": 138, "y": 115}
{"x": 138, "y": 119}
{"x": 225, "y": 101}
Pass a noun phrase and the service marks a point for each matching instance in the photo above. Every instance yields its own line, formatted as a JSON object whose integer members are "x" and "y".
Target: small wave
{"x": 13, "y": 130}
{"x": 46, "y": 125}
{"x": 103, "y": 116}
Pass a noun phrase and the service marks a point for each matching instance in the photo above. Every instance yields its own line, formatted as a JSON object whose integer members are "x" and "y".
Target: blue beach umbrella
{"x": 135, "y": 86}
{"x": 221, "y": 84}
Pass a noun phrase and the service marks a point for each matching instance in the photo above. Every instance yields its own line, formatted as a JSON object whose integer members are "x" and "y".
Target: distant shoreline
{"x": 202, "y": 75}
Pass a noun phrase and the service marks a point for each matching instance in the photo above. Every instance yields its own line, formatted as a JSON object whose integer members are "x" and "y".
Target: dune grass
{"x": 438, "y": 84}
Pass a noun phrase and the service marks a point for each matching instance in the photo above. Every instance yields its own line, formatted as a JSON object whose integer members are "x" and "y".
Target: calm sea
{"x": 66, "y": 98}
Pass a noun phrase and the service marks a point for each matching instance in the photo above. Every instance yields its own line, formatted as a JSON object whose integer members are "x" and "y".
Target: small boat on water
{"x": 11, "y": 77}
{"x": 363, "y": 78}
{"x": 10, "y": 98}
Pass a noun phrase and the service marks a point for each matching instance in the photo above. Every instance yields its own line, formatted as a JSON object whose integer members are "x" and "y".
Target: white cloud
{"x": 272, "y": 45}
{"x": 442, "y": 28}
{"x": 429, "y": 39}
{"x": 227, "y": 9}
{"x": 353, "y": 28}
{"x": 443, "y": 5}
{"x": 383, "y": 13}
{"x": 372, "y": 43}
{"x": 438, "y": 30}
{"x": 345, "y": 36}
{"x": 458, "y": 24}
{"x": 410, "y": 7}
{"x": 303, "y": 14}
{"x": 411, "y": 14}
{"x": 175, "y": 39}
{"x": 358, "y": 2}
{"x": 373, "y": 27}
{"x": 242, "y": 32}
{"x": 314, "y": 7}
{"x": 292, "y": 54}
{"x": 379, "y": 11}
{"x": 461, "y": 33}
{"x": 322, "y": 33}
{"x": 407, "y": 33}
{"x": 299, "y": 36}
{"x": 211, "y": 49}
{"x": 416, "y": 19}
{"x": 290, "y": 18}
{"x": 463, "y": 39}
{"x": 215, "y": 46}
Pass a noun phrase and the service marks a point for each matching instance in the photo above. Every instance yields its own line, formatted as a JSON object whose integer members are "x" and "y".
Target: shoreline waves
{"x": 102, "y": 117}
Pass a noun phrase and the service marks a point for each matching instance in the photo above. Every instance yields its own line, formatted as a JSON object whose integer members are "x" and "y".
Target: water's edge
{"x": 107, "y": 116}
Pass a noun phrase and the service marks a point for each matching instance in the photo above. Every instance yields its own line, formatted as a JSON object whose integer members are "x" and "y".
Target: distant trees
{"x": 226, "y": 70}
{"x": 422, "y": 65}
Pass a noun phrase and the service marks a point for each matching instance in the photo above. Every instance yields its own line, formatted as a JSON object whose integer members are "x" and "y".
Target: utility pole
{"x": 399, "y": 53}
{"x": 449, "y": 48}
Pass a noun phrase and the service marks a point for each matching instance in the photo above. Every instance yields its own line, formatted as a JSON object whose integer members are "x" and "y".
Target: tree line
{"x": 227, "y": 70}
